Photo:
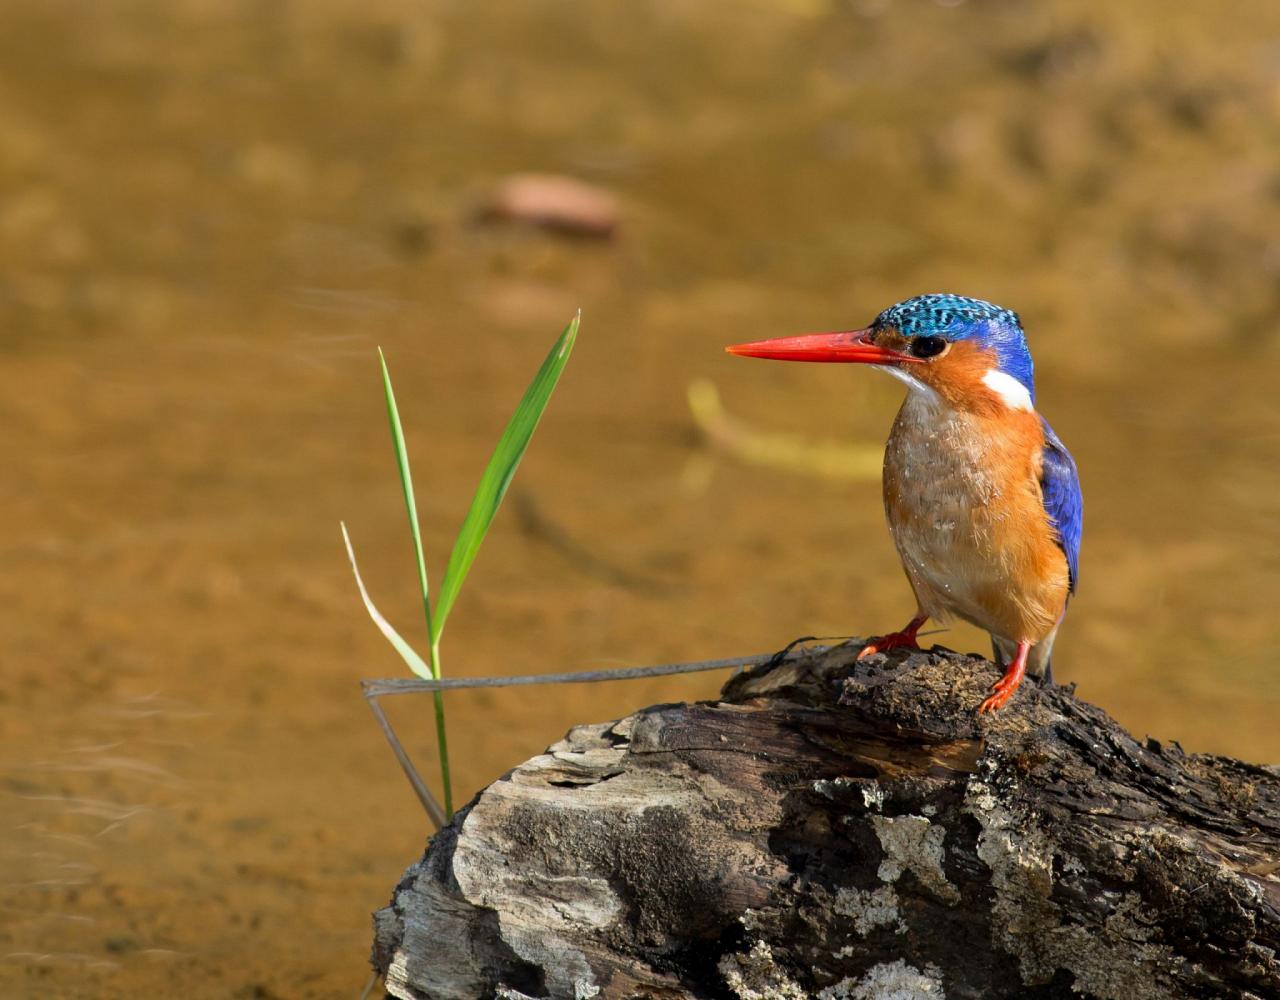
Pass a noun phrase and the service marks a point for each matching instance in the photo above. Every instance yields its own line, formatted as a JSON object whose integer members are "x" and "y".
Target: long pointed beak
{"x": 848, "y": 347}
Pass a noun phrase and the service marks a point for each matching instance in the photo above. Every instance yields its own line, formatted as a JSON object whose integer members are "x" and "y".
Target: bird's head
{"x": 971, "y": 353}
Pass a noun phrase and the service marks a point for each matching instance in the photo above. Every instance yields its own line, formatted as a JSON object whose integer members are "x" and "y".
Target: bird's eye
{"x": 928, "y": 347}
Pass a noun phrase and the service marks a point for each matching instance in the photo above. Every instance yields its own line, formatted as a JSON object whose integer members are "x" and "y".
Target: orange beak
{"x": 847, "y": 347}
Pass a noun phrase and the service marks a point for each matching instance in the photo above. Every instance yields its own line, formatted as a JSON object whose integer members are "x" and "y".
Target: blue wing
{"x": 1063, "y": 501}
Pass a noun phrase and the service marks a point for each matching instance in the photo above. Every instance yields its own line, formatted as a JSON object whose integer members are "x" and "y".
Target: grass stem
{"x": 441, "y": 739}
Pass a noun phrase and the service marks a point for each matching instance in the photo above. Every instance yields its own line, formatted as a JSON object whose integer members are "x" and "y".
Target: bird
{"x": 982, "y": 498}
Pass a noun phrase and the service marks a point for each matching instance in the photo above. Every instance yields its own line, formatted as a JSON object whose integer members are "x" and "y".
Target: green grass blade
{"x": 499, "y": 472}
{"x": 411, "y": 506}
{"x": 416, "y": 663}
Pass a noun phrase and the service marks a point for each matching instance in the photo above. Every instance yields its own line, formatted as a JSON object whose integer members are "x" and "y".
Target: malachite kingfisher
{"x": 983, "y": 499}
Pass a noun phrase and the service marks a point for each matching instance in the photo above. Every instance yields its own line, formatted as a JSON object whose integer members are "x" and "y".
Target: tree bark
{"x": 851, "y": 830}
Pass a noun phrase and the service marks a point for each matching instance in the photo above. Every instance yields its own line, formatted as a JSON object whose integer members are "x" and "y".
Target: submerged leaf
{"x": 791, "y": 453}
{"x": 499, "y": 472}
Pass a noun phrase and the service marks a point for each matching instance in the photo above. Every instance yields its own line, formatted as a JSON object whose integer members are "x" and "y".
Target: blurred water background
{"x": 212, "y": 211}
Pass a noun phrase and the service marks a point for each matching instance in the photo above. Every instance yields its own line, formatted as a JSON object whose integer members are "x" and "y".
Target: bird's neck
{"x": 929, "y": 420}
{"x": 982, "y": 391}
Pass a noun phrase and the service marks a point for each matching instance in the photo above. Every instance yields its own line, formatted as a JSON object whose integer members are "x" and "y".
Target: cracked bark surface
{"x": 840, "y": 829}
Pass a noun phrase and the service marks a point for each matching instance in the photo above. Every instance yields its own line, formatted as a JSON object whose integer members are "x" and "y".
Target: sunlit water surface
{"x": 213, "y": 212}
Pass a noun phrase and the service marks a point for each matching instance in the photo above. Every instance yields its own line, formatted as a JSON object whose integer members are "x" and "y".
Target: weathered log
{"x": 841, "y": 829}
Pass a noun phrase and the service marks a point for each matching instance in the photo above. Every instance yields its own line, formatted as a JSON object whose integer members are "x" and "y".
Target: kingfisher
{"x": 982, "y": 497}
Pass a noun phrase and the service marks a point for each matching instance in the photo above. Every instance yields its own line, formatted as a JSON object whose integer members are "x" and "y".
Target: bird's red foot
{"x": 1003, "y": 688}
{"x": 895, "y": 640}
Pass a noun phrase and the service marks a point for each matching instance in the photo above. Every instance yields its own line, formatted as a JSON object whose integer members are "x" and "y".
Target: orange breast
{"x": 963, "y": 499}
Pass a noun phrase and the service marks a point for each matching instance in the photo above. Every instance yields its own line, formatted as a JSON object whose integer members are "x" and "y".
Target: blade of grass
{"x": 411, "y": 507}
{"x": 499, "y": 472}
{"x": 415, "y": 662}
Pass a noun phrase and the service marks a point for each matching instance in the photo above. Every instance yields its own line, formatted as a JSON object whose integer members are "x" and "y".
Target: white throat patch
{"x": 1011, "y": 392}
{"x": 914, "y": 384}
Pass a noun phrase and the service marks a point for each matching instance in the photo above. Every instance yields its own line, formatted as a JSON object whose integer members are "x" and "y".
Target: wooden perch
{"x": 851, "y": 831}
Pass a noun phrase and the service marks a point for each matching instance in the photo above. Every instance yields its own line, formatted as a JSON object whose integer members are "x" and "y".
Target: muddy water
{"x": 211, "y": 213}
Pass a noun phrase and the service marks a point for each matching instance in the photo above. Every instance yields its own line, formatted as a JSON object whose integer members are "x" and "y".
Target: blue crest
{"x": 958, "y": 317}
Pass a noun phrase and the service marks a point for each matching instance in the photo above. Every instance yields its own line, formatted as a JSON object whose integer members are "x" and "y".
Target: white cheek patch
{"x": 1011, "y": 392}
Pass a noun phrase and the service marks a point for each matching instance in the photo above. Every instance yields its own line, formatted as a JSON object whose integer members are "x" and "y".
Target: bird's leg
{"x": 1003, "y": 688}
{"x": 894, "y": 640}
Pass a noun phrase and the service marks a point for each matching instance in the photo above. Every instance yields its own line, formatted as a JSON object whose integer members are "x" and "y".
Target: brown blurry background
{"x": 210, "y": 214}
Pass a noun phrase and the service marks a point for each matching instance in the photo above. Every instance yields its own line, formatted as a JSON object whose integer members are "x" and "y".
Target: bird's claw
{"x": 1002, "y": 690}
{"x": 1000, "y": 698}
{"x": 884, "y": 643}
